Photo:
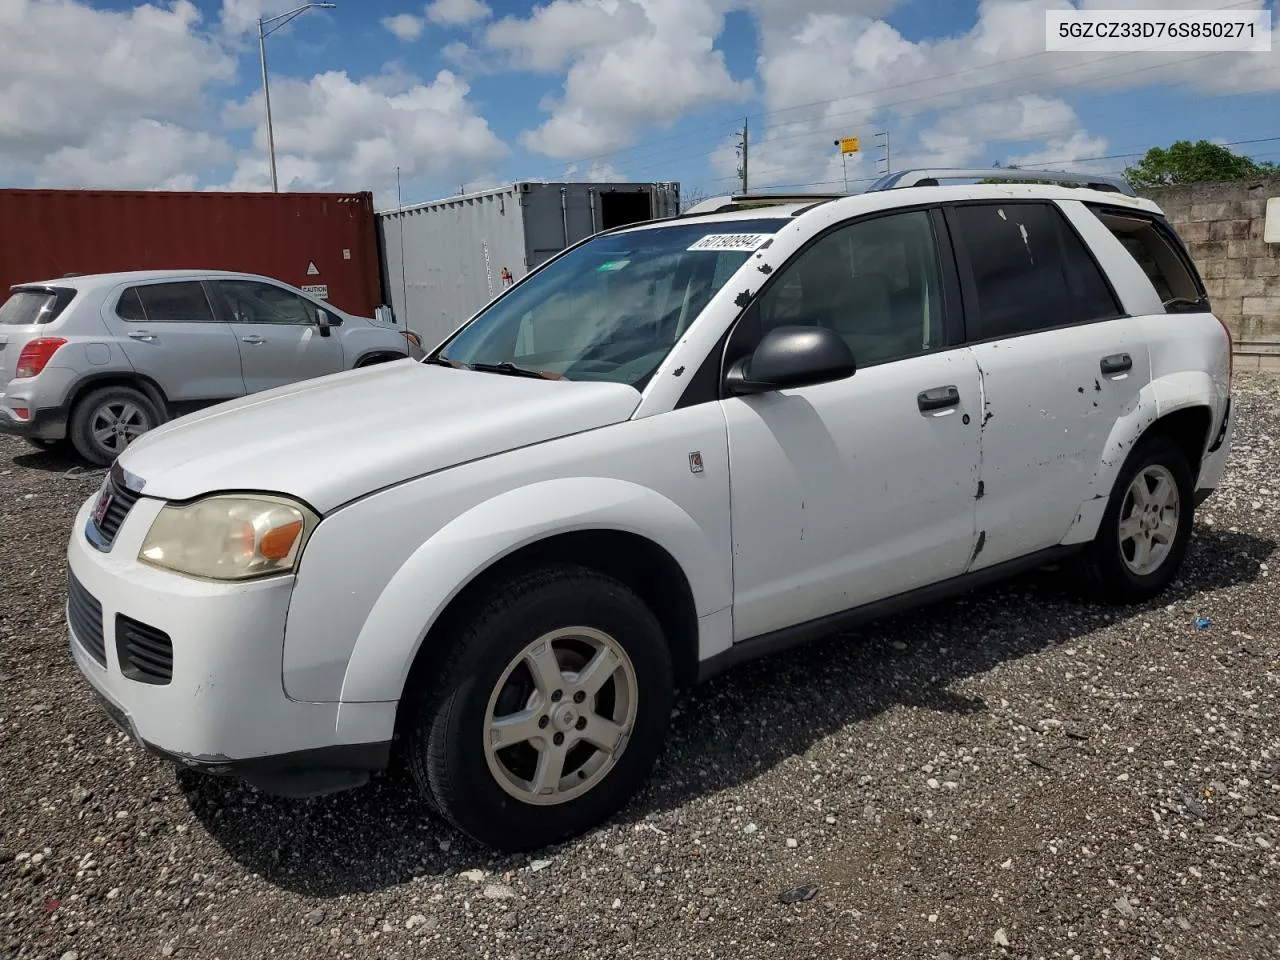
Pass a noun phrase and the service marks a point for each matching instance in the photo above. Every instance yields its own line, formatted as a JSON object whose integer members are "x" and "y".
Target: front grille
{"x": 145, "y": 653}
{"x": 118, "y": 506}
{"x": 84, "y": 614}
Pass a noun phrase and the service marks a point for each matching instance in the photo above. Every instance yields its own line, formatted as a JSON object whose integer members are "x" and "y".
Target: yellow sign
{"x": 849, "y": 145}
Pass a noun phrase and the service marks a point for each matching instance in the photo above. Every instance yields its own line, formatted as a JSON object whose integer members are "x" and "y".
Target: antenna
{"x": 404, "y": 284}
{"x": 743, "y": 148}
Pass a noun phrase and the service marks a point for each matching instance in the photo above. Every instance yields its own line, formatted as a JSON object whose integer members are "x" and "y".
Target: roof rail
{"x": 729, "y": 201}
{"x": 929, "y": 177}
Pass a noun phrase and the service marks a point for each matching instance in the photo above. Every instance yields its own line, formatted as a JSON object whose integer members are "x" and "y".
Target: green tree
{"x": 1187, "y": 162}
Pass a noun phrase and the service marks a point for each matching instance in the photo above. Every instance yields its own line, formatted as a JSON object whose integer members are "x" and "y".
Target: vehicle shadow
{"x": 60, "y": 458}
{"x": 724, "y": 732}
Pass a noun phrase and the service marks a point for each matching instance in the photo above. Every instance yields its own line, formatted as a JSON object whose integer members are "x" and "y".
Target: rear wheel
{"x": 107, "y": 420}
{"x": 1145, "y": 530}
{"x": 550, "y": 713}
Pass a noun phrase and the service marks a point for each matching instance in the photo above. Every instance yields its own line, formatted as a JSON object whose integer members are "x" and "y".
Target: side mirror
{"x": 792, "y": 357}
{"x": 325, "y": 321}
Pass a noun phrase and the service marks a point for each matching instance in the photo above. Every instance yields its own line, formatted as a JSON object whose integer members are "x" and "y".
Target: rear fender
{"x": 1158, "y": 399}
{"x": 436, "y": 572}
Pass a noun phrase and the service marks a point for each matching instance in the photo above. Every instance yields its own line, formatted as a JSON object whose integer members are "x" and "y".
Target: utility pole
{"x": 885, "y": 158}
{"x": 743, "y": 148}
{"x": 276, "y": 23}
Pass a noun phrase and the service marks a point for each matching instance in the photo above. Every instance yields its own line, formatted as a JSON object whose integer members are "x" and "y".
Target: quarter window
{"x": 1151, "y": 247}
{"x": 253, "y": 302}
{"x": 182, "y": 302}
{"x": 1030, "y": 270}
{"x": 876, "y": 283}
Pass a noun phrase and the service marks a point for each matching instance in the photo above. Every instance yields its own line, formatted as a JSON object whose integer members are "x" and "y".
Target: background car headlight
{"x": 228, "y": 537}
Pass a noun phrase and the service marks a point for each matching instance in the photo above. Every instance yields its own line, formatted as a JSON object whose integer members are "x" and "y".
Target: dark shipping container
{"x": 326, "y": 242}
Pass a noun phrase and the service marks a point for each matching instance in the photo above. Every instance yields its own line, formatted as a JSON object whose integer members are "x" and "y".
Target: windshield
{"x": 612, "y": 308}
{"x": 28, "y": 307}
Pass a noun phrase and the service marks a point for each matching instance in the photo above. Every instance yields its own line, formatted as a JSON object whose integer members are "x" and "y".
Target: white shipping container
{"x": 444, "y": 260}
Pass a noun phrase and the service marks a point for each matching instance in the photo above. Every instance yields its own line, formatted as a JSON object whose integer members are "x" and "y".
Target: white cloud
{"x": 74, "y": 79}
{"x": 563, "y": 29}
{"x": 596, "y": 172}
{"x": 405, "y": 26}
{"x": 142, "y": 155}
{"x": 457, "y": 13}
{"x": 632, "y": 64}
{"x": 339, "y": 133}
{"x": 468, "y": 60}
{"x": 831, "y": 68}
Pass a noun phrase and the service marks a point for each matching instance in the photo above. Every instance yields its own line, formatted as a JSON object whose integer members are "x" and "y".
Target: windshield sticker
{"x": 611, "y": 265}
{"x": 734, "y": 242}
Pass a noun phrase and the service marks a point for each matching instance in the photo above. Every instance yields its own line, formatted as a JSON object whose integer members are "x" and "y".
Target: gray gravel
{"x": 1011, "y": 775}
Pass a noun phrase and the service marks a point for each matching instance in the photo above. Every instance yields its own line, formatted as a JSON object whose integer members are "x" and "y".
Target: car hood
{"x": 331, "y": 439}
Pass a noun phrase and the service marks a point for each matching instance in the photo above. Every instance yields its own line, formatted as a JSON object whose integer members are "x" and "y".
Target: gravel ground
{"x": 1011, "y": 775}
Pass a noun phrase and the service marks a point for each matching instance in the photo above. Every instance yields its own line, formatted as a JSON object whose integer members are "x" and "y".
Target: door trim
{"x": 778, "y": 640}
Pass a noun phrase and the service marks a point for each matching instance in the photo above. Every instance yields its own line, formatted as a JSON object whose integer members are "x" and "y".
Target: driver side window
{"x": 877, "y": 283}
{"x": 251, "y": 302}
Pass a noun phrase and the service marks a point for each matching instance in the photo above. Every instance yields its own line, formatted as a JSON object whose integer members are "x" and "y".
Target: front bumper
{"x": 222, "y": 708}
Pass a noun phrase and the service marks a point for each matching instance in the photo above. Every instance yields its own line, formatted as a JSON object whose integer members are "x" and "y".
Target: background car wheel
{"x": 1144, "y": 533}
{"x": 550, "y": 712}
{"x": 108, "y": 420}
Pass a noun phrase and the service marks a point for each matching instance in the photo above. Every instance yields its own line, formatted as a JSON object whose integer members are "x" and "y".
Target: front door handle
{"x": 253, "y": 338}
{"x": 937, "y": 398}
{"x": 1116, "y": 363}
{"x": 141, "y": 335}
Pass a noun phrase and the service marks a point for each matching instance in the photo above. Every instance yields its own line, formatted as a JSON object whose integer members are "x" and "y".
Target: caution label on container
{"x": 311, "y": 269}
{"x": 318, "y": 290}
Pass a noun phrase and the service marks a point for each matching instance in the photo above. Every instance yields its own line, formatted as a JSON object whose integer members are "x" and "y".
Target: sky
{"x": 463, "y": 95}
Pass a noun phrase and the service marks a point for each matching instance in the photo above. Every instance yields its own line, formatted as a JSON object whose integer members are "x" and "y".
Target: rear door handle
{"x": 254, "y": 338}
{"x": 1117, "y": 363}
{"x": 938, "y": 398}
{"x": 141, "y": 335}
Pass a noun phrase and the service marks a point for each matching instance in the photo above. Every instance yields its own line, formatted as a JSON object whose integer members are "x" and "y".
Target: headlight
{"x": 228, "y": 537}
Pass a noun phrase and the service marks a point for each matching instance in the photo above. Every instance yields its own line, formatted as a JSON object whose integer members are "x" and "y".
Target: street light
{"x": 263, "y": 33}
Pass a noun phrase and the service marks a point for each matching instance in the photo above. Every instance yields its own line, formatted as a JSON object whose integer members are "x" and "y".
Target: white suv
{"x": 100, "y": 359}
{"x": 675, "y": 446}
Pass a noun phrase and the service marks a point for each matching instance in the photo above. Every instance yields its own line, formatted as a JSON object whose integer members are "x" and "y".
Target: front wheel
{"x": 549, "y": 713}
{"x": 1146, "y": 528}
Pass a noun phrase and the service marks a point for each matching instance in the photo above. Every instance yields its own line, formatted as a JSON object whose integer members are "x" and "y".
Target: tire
{"x": 125, "y": 407}
{"x": 485, "y": 791}
{"x": 1110, "y": 568}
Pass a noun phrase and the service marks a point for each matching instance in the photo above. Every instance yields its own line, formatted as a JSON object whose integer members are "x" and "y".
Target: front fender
{"x": 436, "y": 572}
{"x": 1159, "y": 398}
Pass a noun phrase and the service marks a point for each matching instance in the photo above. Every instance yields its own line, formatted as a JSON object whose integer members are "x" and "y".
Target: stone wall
{"x": 1221, "y": 224}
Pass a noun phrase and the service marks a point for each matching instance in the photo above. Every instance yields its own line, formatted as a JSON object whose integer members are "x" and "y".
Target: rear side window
{"x": 29, "y": 307}
{"x": 130, "y": 307}
{"x": 1029, "y": 270}
{"x": 182, "y": 302}
{"x": 1158, "y": 253}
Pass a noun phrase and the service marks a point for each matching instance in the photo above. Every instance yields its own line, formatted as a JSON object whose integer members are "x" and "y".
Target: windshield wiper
{"x": 443, "y": 361}
{"x": 511, "y": 370}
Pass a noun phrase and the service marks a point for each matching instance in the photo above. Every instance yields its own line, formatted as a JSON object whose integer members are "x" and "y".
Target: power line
{"x": 816, "y": 132}
{"x": 929, "y": 79}
{"x": 1046, "y": 163}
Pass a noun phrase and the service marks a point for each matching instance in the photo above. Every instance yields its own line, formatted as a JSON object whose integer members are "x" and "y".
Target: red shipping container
{"x": 306, "y": 239}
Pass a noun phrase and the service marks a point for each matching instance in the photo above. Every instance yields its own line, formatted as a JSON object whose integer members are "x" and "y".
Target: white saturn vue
{"x": 673, "y": 447}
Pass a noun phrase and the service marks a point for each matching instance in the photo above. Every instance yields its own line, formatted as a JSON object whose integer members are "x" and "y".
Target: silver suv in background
{"x": 100, "y": 359}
